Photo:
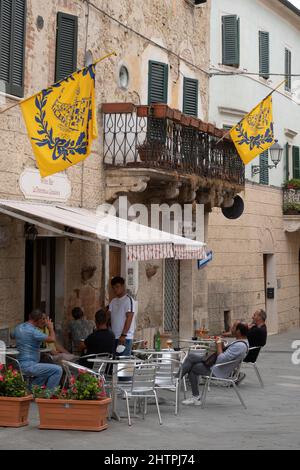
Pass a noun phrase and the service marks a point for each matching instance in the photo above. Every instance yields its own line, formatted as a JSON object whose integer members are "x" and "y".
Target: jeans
{"x": 128, "y": 347}
{"x": 194, "y": 370}
{"x": 44, "y": 374}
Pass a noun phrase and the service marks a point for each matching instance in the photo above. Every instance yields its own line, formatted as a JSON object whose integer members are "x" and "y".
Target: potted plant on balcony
{"x": 150, "y": 151}
{"x": 14, "y": 398}
{"x": 81, "y": 407}
{"x": 292, "y": 184}
{"x": 291, "y": 208}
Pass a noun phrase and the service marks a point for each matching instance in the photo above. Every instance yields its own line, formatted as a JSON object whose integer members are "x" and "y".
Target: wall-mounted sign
{"x": 270, "y": 293}
{"x": 53, "y": 188}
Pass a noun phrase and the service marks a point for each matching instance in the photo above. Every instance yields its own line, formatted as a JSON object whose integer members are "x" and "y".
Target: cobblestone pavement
{"x": 270, "y": 422}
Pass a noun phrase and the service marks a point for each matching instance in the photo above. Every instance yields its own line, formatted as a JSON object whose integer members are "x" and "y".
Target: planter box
{"x": 177, "y": 115}
{"x": 143, "y": 111}
{"x": 74, "y": 415}
{"x": 14, "y": 411}
{"x": 203, "y": 126}
{"x": 162, "y": 111}
{"x": 211, "y": 129}
{"x": 118, "y": 108}
{"x": 185, "y": 120}
{"x": 194, "y": 122}
{"x": 219, "y": 133}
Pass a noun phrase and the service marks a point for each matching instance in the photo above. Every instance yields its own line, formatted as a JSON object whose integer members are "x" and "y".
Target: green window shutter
{"x": 264, "y": 168}
{"x": 158, "y": 82}
{"x": 190, "y": 96}
{"x": 66, "y": 46}
{"x": 287, "y": 162}
{"x": 264, "y": 54}
{"x": 296, "y": 162}
{"x": 288, "y": 69}
{"x": 12, "y": 45}
{"x": 231, "y": 40}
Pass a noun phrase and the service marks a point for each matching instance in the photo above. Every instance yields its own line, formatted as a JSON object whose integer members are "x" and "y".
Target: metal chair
{"x": 169, "y": 378}
{"x": 253, "y": 363}
{"x": 2, "y": 352}
{"x": 230, "y": 381}
{"x": 142, "y": 386}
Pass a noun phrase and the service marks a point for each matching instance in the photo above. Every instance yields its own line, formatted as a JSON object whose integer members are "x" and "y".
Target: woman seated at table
{"x": 101, "y": 341}
{"x": 57, "y": 353}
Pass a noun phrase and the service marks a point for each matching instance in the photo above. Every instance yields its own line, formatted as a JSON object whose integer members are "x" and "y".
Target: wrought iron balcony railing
{"x": 162, "y": 138}
{"x": 291, "y": 201}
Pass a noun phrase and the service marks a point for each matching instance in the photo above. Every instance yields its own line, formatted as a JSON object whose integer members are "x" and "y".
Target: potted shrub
{"x": 292, "y": 184}
{"x": 291, "y": 208}
{"x": 14, "y": 398}
{"x": 81, "y": 407}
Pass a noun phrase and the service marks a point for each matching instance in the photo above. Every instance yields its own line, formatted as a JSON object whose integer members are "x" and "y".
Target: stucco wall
{"x": 236, "y": 275}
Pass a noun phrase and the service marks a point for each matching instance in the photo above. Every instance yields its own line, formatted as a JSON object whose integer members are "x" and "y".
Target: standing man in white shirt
{"x": 122, "y": 313}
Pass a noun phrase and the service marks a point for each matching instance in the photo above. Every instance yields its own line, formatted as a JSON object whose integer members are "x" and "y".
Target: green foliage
{"x": 84, "y": 387}
{"x": 11, "y": 383}
{"x": 291, "y": 207}
{"x": 292, "y": 184}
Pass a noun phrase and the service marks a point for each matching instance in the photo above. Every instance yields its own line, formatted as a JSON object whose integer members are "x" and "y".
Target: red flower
{"x": 1, "y": 378}
{"x": 43, "y": 387}
{"x": 10, "y": 368}
{"x": 1, "y": 367}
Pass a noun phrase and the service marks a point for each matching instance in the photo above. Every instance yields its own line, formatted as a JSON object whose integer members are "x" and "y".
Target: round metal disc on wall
{"x": 236, "y": 210}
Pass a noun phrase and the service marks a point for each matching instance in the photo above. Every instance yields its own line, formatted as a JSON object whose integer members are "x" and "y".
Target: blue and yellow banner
{"x": 255, "y": 133}
{"x": 61, "y": 122}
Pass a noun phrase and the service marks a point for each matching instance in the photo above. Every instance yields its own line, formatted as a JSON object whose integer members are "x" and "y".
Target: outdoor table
{"x": 115, "y": 363}
{"x": 10, "y": 352}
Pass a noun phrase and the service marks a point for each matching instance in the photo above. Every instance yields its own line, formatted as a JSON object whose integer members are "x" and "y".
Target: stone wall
{"x": 236, "y": 275}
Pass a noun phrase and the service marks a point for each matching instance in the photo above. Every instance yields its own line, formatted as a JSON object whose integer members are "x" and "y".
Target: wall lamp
{"x": 275, "y": 153}
{"x": 30, "y": 232}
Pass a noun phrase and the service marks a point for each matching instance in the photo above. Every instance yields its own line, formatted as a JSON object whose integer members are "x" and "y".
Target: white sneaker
{"x": 192, "y": 401}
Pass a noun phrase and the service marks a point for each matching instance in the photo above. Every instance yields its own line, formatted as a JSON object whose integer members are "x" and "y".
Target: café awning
{"x": 142, "y": 243}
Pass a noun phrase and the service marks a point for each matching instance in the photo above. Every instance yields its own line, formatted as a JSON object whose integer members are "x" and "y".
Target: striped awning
{"x": 142, "y": 243}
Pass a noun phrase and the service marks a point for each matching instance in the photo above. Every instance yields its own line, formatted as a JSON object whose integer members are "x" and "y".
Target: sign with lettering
{"x": 53, "y": 188}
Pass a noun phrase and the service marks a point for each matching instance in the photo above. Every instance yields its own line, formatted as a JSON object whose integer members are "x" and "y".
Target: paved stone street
{"x": 271, "y": 421}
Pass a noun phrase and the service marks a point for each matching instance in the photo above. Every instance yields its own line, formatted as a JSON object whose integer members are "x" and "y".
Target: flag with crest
{"x": 255, "y": 132}
{"x": 61, "y": 122}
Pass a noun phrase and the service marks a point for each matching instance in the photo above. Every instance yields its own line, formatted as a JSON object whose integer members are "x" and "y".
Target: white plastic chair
{"x": 254, "y": 364}
{"x": 142, "y": 386}
{"x": 230, "y": 381}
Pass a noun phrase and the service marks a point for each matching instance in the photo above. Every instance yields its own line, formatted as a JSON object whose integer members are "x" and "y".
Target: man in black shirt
{"x": 101, "y": 341}
{"x": 257, "y": 335}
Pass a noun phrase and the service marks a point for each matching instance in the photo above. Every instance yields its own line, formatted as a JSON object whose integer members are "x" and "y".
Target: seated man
{"x": 78, "y": 329}
{"x": 101, "y": 341}
{"x": 195, "y": 366}
{"x": 257, "y": 335}
{"x": 28, "y": 341}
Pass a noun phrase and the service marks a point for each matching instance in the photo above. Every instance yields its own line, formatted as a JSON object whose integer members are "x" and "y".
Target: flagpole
{"x": 32, "y": 96}
{"x": 275, "y": 89}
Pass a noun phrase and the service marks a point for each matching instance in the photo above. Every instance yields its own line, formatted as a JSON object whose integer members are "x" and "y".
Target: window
{"x": 190, "y": 96}
{"x": 264, "y": 168}
{"x": 288, "y": 69}
{"x": 231, "y": 40}
{"x": 66, "y": 45}
{"x": 296, "y": 162}
{"x": 158, "y": 82}
{"x": 12, "y": 45}
{"x": 264, "y": 54}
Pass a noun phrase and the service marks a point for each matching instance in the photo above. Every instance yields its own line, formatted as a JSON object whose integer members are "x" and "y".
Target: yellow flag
{"x": 61, "y": 122}
{"x": 255, "y": 133}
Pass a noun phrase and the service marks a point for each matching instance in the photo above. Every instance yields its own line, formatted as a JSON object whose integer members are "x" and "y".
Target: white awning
{"x": 142, "y": 243}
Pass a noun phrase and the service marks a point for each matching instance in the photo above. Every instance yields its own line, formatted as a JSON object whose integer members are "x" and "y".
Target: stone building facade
{"x": 72, "y": 272}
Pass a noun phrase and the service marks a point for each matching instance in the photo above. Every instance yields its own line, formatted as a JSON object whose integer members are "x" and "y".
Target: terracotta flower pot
{"x": 143, "y": 111}
{"x": 118, "y": 108}
{"x": 74, "y": 415}
{"x": 194, "y": 122}
{"x": 177, "y": 115}
{"x": 211, "y": 129}
{"x": 162, "y": 111}
{"x": 185, "y": 120}
{"x": 14, "y": 411}
{"x": 203, "y": 126}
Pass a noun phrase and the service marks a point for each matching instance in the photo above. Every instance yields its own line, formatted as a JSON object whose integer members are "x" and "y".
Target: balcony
{"x": 162, "y": 146}
{"x": 291, "y": 208}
